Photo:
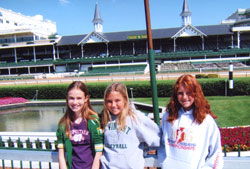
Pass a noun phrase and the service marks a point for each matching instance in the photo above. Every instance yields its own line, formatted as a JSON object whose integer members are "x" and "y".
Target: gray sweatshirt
{"x": 189, "y": 145}
{"x": 124, "y": 149}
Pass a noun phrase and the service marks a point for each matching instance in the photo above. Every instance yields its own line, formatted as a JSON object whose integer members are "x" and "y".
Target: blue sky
{"x": 75, "y": 17}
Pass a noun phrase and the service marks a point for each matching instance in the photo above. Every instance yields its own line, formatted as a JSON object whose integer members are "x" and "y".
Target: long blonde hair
{"x": 127, "y": 111}
{"x": 86, "y": 112}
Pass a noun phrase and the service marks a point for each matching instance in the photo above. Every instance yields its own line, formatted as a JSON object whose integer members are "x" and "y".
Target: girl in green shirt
{"x": 79, "y": 133}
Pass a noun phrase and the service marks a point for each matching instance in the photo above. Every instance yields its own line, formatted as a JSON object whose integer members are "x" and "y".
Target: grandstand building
{"x": 23, "y": 41}
{"x": 185, "y": 48}
{"x": 16, "y": 24}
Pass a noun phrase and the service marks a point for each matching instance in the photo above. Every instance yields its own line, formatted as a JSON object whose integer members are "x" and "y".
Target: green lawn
{"x": 231, "y": 111}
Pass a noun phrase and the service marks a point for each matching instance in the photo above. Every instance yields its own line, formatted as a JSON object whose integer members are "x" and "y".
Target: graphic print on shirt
{"x": 114, "y": 135}
{"x": 182, "y": 138}
{"x": 78, "y": 136}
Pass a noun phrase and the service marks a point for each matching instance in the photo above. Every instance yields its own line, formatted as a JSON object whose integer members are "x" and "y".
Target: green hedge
{"x": 198, "y": 76}
{"x": 210, "y": 86}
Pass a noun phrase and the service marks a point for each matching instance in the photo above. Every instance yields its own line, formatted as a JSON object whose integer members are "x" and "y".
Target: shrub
{"x": 29, "y": 42}
{"x": 212, "y": 76}
{"x": 210, "y": 87}
{"x": 5, "y": 44}
{"x": 198, "y": 76}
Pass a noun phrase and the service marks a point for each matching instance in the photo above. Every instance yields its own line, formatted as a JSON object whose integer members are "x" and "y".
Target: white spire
{"x": 186, "y": 14}
{"x": 97, "y": 21}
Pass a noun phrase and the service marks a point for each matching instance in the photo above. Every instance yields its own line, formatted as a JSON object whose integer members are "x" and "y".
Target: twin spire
{"x": 185, "y": 14}
{"x": 97, "y": 21}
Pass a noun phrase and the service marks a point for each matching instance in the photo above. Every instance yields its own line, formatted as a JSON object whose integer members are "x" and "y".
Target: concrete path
{"x": 237, "y": 162}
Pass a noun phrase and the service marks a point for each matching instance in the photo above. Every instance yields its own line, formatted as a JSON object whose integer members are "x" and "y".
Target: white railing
{"x": 28, "y": 150}
{"x": 28, "y": 159}
{"x": 86, "y": 79}
{"x": 36, "y": 140}
{"x": 15, "y": 153}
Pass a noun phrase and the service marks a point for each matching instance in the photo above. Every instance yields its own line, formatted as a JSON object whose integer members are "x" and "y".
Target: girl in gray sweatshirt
{"x": 126, "y": 131}
{"x": 190, "y": 135}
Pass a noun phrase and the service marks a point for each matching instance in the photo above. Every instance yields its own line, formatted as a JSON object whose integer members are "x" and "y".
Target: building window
{"x": 7, "y": 21}
{"x": 1, "y": 21}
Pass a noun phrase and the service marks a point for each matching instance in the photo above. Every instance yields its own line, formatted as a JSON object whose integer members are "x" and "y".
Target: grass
{"x": 231, "y": 111}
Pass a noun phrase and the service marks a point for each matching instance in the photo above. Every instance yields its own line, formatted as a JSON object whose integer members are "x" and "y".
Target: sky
{"x": 74, "y": 17}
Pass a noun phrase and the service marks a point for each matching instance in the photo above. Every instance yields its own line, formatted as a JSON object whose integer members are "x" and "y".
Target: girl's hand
{"x": 61, "y": 157}
{"x": 96, "y": 162}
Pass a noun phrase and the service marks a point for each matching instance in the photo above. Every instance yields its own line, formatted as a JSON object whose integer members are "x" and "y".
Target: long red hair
{"x": 201, "y": 106}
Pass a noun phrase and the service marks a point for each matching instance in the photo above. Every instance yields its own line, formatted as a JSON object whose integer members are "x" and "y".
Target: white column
{"x": 203, "y": 47}
{"x": 15, "y": 38}
{"x": 107, "y": 49}
{"x": 15, "y": 55}
{"x": 238, "y": 36}
{"x": 174, "y": 45}
{"x": 54, "y": 52}
{"x": 57, "y": 53}
{"x": 34, "y": 53}
{"x": 232, "y": 38}
{"x": 82, "y": 50}
{"x": 133, "y": 48}
{"x": 120, "y": 48}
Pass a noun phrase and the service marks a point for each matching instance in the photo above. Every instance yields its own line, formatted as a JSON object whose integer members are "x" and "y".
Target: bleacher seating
{"x": 167, "y": 67}
{"x": 188, "y": 66}
{"x": 116, "y": 69}
{"x": 219, "y": 65}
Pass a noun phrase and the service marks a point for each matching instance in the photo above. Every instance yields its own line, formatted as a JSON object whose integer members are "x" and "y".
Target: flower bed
{"x": 235, "y": 138}
{"x": 12, "y": 100}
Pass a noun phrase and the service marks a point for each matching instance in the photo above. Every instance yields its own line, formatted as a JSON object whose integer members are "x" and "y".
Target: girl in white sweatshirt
{"x": 190, "y": 136}
{"x": 126, "y": 131}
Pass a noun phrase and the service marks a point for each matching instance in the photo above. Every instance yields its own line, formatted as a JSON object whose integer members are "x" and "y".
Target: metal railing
{"x": 28, "y": 140}
{"x": 38, "y": 150}
{"x": 28, "y": 150}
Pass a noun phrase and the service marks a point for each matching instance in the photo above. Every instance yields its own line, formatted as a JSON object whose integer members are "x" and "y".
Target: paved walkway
{"x": 237, "y": 162}
{"x": 232, "y": 161}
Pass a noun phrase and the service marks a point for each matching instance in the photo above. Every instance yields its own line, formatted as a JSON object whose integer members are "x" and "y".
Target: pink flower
{"x": 12, "y": 100}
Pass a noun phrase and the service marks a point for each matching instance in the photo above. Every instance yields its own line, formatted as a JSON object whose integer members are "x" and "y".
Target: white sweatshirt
{"x": 124, "y": 149}
{"x": 189, "y": 145}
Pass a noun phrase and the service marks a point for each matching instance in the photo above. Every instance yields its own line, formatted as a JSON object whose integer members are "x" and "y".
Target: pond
{"x": 33, "y": 118}
{"x": 40, "y": 118}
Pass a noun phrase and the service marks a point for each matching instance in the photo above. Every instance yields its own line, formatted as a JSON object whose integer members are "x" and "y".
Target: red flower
{"x": 235, "y": 136}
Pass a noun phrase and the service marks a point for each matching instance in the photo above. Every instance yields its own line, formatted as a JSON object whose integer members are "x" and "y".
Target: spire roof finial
{"x": 185, "y": 9}
{"x": 97, "y": 16}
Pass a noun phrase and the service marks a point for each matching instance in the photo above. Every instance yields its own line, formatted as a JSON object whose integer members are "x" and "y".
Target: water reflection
{"x": 33, "y": 119}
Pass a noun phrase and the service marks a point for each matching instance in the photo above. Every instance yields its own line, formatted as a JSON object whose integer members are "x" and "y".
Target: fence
{"x": 28, "y": 150}
{"x": 160, "y": 76}
{"x": 38, "y": 150}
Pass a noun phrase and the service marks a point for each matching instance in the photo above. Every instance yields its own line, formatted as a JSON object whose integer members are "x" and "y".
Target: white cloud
{"x": 63, "y": 2}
